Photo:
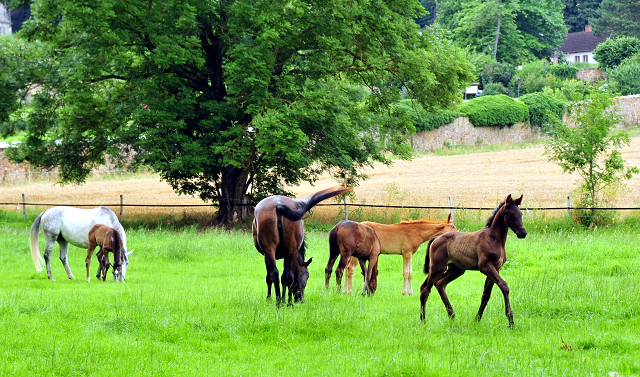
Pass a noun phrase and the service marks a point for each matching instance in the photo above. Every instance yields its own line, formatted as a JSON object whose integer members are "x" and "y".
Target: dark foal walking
{"x": 451, "y": 254}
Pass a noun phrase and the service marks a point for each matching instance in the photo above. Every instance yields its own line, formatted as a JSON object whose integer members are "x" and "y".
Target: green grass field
{"x": 194, "y": 305}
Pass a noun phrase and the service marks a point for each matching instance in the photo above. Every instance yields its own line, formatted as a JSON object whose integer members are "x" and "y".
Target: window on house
{"x": 576, "y": 58}
{"x": 585, "y": 58}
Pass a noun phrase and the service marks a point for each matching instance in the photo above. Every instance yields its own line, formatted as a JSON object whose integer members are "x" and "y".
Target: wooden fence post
{"x": 451, "y": 207}
{"x": 24, "y": 208}
{"x": 568, "y": 206}
{"x": 121, "y": 208}
{"x": 346, "y": 216}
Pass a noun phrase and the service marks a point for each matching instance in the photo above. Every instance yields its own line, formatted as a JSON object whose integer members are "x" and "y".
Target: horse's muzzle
{"x": 521, "y": 233}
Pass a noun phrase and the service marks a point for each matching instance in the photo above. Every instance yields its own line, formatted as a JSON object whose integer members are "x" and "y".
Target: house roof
{"x": 583, "y": 41}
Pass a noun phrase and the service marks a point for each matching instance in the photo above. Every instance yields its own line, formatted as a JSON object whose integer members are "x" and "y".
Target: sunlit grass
{"x": 194, "y": 304}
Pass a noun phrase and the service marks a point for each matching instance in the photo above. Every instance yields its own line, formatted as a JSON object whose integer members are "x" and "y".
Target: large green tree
{"x": 231, "y": 100}
{"x": 618, "y": 16}
{"x": 528, "y": 30}
{"x": 577, "y": 13}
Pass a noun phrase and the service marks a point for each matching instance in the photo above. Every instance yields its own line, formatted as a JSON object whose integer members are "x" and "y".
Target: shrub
{"x": 541, "y": 105}
{"x": 493, "y": 89}
{"x": 495, "y": 111}
{"x": 422, "y": 120}
{"x": 497, "y": 73}
{"x": 626, "y": 77}
{"x": 564, "y": 71}
{"x": 613, "y": 51}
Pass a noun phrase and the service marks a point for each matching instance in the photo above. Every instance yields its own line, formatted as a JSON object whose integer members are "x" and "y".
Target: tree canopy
{"x": 577, "y": 13}
{"x": 529, "y": 29}
{"x": 618, "y": 16}
{"x": 229, "y": 100}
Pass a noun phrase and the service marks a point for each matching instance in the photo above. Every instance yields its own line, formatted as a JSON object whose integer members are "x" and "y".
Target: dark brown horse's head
{"x": 301, "y": 280}
{"x": 513, "y": 216}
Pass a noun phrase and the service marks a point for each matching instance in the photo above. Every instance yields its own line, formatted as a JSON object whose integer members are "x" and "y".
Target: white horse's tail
{"x": 35, "y": 250}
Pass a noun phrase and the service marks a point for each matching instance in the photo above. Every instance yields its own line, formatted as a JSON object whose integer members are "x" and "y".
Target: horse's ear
{"x": 509, "y": 200}
{"x": 449, "y": 218}
{"x": 519, "y": 200}
{"x": 307, "y": 263}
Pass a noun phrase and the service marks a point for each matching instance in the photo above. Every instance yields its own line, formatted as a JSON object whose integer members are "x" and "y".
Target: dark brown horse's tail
{"x": 117, "y": 249}
{"x": 427, "y": 258}
{"x": 304, "y": 205}
{"x": 334, "y": 250}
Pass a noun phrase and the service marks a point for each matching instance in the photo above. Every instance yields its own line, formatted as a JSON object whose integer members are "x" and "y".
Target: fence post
{"x": 451, "y": 207}
{"x": 121, "y": 208}
{"x": 24, "y": 208}
{"x": 346, "y": 216}
{"x": 568, "y": 206}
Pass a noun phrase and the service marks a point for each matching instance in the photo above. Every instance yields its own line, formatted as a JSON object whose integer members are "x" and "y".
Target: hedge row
{"x": 489, "y": 111}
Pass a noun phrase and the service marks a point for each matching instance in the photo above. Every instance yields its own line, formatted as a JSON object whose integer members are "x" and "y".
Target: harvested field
{"x": 473, "y": 180}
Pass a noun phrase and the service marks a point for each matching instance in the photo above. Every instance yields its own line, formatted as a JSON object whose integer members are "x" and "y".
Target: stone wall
{"x": 629, "y": 106}
{"x": 591, "y": 74}
{"x": 462, "y": 132}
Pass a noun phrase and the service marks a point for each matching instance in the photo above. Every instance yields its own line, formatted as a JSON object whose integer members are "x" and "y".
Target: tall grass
{"x": 194, "y": 304}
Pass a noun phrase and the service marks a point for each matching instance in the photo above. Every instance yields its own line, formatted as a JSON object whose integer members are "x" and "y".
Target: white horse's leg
{"x": 48, "y": 249}
{"x": 64, "y": 251}
{"x": 406, "y": 274}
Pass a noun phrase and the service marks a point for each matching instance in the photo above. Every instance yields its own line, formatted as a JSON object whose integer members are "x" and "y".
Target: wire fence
{"x": 23, "y": 205}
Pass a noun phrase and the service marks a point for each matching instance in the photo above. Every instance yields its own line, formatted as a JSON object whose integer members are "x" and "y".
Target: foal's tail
{"x": 303, "y": 205}
{"x": 427, "y": 258}
{"x": 35, "y": 250}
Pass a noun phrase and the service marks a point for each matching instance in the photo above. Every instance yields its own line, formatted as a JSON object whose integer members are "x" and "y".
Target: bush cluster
{"x": 495, "y": 111}
{"x": 564, "y": 71}
{"x": 422, "y": 120}
{"x": 541, "y": 106}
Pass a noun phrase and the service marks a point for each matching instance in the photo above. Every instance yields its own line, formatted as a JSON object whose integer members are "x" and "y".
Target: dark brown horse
{"x": 350, "y": 238}
{"x": 109, "y": 241}
{"x": 451, "y": 254}
{"x": 278, "y": 233}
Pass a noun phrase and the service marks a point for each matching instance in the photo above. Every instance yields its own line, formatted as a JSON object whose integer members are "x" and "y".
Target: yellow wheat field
{"x": 472, "y": 180}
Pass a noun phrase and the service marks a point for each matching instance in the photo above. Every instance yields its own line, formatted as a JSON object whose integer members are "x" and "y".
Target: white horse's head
{"x": 120, "y": 273}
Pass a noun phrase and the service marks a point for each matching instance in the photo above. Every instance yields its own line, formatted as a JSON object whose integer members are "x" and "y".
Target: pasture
{"x": 194, "y": 304}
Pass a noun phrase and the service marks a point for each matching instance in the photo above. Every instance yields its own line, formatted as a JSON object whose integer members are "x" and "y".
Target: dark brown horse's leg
{"x": 269, "y": 283}
{"x": 273, "y": 275}
{"x": 435, "y": 272}
{"x": 342, "y": 264}
{"x": 486, "y": 295}
{"x": 453, "y": 272}
{"x": 288, "y": 279}
{"x": 492, "y": 274}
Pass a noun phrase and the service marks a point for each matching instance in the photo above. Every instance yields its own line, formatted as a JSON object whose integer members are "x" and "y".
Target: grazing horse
{"x": 69, "y": 225}
{"x": 350, "y": 238}
{"x": 109, "y": 240}
{"x": 450, "y": 255}
{"x": 278, "y": 233}
{"x": 403, "y": 238}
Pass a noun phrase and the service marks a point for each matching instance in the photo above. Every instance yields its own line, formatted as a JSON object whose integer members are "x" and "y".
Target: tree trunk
{"x": 234, "y": 201}
{"x": 495, "y": 45}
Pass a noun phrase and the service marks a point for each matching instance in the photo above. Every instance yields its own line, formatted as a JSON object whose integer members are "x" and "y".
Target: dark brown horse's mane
{"x": 493, "y": 215}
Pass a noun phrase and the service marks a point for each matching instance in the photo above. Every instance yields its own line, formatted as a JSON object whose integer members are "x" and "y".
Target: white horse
{"x": 69, "y": 225}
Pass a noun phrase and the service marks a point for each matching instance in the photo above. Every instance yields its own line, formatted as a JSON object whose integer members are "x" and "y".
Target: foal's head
{"x": 301, "y": 281}
{"x": 513, "y": 216}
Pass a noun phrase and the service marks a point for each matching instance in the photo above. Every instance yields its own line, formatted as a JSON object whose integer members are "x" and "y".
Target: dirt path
{"x": 473, "y": 180}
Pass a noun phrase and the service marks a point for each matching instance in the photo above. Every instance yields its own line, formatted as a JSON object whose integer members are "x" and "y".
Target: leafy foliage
{"x": 564, "y": 71}
{"x": 234, "y": 100}
{"x": 589, "y": 148}
{"x": 422, "y": 120}
{"x": 543, "y": 109}
{"x": 497, "y": 73}
{"x": 529, "y": 29}
{"x": 613, "y": 51}
{"x": 578, "y": 13}
{"x": 493, "y": 89}
{"x": 619, "y": 16}
{"x": 495, "y": 111}
{"x": 626, "y": 77}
